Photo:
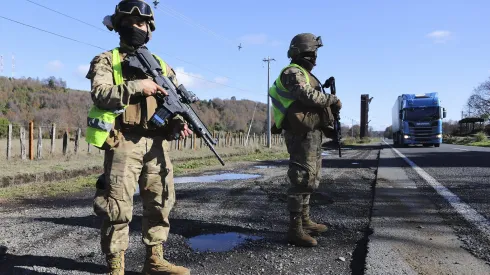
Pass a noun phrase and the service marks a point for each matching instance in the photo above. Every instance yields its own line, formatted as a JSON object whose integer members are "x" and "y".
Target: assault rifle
{"x": 330, "y": 83}
{"x": 176, "y": 103}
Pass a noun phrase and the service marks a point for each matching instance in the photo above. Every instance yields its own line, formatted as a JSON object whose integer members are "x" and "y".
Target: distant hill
{"x": 48, "y": 101}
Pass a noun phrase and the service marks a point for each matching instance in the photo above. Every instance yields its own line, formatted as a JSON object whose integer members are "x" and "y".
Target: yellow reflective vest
{"x": 100, "y": 121}
{"x": 281, "y": 98}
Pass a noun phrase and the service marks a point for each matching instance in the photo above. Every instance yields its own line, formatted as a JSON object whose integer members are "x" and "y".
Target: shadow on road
{"x": 16, "y": 264}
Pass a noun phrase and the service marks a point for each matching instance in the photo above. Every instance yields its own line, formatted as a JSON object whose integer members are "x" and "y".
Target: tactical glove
{"x": 275, "y": 130}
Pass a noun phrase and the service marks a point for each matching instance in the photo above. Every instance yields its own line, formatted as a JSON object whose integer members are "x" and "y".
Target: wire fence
{"x": 29, "y": 142}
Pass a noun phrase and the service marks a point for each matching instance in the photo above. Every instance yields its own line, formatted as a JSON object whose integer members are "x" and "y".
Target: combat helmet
{"x": 304, "y": 43}
{"x": 132, "y": 7}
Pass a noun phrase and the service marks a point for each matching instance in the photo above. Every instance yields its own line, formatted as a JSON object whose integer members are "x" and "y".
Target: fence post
{"x": 39, "y": 143}
{"x": 22, "y": 143}
{"x": 77, "y": 140}
{"x": 9, "y": 142}
{"x": 53, "y": 138}
{"x": 89, "y": 148}
{"x": 31, "y": 140}
{"x": 194, "y": 141}
{"x": 65, "y": 142}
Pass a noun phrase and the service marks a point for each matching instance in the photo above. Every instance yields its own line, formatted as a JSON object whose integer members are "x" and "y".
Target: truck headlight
{"x": 439, "y": 136}
{"x": 406, "y": 136}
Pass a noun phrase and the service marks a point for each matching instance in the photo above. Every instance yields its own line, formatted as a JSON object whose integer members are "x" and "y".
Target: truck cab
{"x": 417, "y": 119}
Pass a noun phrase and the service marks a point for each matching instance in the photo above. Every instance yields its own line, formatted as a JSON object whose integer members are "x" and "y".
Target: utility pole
{"x": 365, "y": 101}
{"x": 268, "y": 60}
{"x": 352, "y": 128}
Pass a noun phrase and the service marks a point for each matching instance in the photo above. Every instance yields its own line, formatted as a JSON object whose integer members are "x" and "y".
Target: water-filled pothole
{"x": 211, "y": 178}
{"x": 216, "y": 178}
{"x": 219, "y": 242}
{"x": 264, "y": 166}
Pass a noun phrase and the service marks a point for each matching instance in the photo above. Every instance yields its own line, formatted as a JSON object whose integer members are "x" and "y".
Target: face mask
{"x": 134, "y": 36}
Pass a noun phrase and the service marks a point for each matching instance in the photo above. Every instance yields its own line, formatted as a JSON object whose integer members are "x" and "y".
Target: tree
{"x": 479, "y": 101}
{"x": 54, "y": 83}
{"x": 355, "y": 130}
{"x": 450, "y": 127}
{"x": 4, "y": 127}
{"x": 388, "y": 132}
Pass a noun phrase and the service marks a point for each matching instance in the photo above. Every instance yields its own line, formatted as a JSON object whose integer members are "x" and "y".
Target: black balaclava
{"x": 306, "y": 60}
{"x": 133, "y": 36}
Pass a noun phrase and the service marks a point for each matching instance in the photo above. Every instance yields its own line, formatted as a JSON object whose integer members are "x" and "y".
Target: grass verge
{"x": 479, "y": 139}
{"x": 357, "y": 141}
{"x": 79, "y": 184}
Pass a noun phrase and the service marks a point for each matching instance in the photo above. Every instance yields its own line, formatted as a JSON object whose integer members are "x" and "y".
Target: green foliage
{"x": 481, "y": 136}
{"x": 388, "y": 133}
{"x": 48, "y": 101}
{"x": 4, "y": 127}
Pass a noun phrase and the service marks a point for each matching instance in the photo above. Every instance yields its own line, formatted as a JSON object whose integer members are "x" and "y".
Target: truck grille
{"x": 422, "y": 133}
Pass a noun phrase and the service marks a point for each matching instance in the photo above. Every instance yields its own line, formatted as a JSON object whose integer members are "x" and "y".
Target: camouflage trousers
{"x": 305, "y": 163}
{"x": 142, "y": 161}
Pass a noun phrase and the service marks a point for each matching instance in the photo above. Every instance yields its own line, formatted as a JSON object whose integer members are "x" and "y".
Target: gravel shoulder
{"x": 61, "y": 235}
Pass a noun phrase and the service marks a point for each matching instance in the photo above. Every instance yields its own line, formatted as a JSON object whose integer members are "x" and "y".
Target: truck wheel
{"x": 437, "y": 145}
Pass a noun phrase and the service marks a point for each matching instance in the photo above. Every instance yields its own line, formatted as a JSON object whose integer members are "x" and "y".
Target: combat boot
{"x": 309, "y": 226}
{"x": 115, "y": 262}
{"x": 155, "y": 264}
{"x": 296, "y": 235}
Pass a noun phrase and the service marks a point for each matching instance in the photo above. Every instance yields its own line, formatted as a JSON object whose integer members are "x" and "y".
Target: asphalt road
{"x": 236, "y": 226}
{"x": 457, "y": 181}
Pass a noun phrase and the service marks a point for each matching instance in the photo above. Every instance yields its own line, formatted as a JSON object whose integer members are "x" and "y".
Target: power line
{"x": 105, "y": 30}
{"x": 83, "y": 22}
{"x": 27, "y": 25}
{"x": 62, "y": 36}
{"x": 172, "y": 12}
{"x": 251, "y": 122}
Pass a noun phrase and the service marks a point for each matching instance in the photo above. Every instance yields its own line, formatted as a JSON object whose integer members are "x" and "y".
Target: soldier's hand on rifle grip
{"x": 337, "y": 105}
{"x": 185, "y": 132}
{"x": 150, "y": 88}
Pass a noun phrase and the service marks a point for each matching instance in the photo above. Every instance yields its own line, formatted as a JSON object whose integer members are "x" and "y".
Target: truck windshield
{"x": 422, "y": 114}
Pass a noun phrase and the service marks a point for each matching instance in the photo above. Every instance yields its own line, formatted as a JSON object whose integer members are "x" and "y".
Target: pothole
{"x": 264, "y": 166}
{"x": 219, "y": 242}
{"x": 216, "y": 178}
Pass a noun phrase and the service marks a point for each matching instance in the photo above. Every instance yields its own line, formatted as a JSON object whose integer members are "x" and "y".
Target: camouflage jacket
{"x": 309, "y": 94}
{"x": 106, "y": 95}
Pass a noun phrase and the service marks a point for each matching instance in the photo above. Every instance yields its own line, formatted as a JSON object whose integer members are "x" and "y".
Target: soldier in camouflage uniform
{"x": 135, "y": 153}
{"x": 304, "y": 112}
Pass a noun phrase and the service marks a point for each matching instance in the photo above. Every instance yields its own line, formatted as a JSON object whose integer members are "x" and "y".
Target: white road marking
{"x": 470, "y": 214}
{"x": 460, "y": 149}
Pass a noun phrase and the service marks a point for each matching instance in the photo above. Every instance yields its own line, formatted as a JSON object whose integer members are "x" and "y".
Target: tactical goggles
{"x": 128, "y": 7}
{"x": 319, "y": 41}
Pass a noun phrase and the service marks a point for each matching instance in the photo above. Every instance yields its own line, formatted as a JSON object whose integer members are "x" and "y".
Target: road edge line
{"x": 463, "y": 209}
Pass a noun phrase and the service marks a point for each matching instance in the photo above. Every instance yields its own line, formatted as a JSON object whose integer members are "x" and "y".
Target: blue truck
{"x": 417, "y": 119}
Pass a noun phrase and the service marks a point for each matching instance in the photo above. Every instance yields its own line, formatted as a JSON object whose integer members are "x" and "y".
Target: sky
{"x": 381, "y": 48}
